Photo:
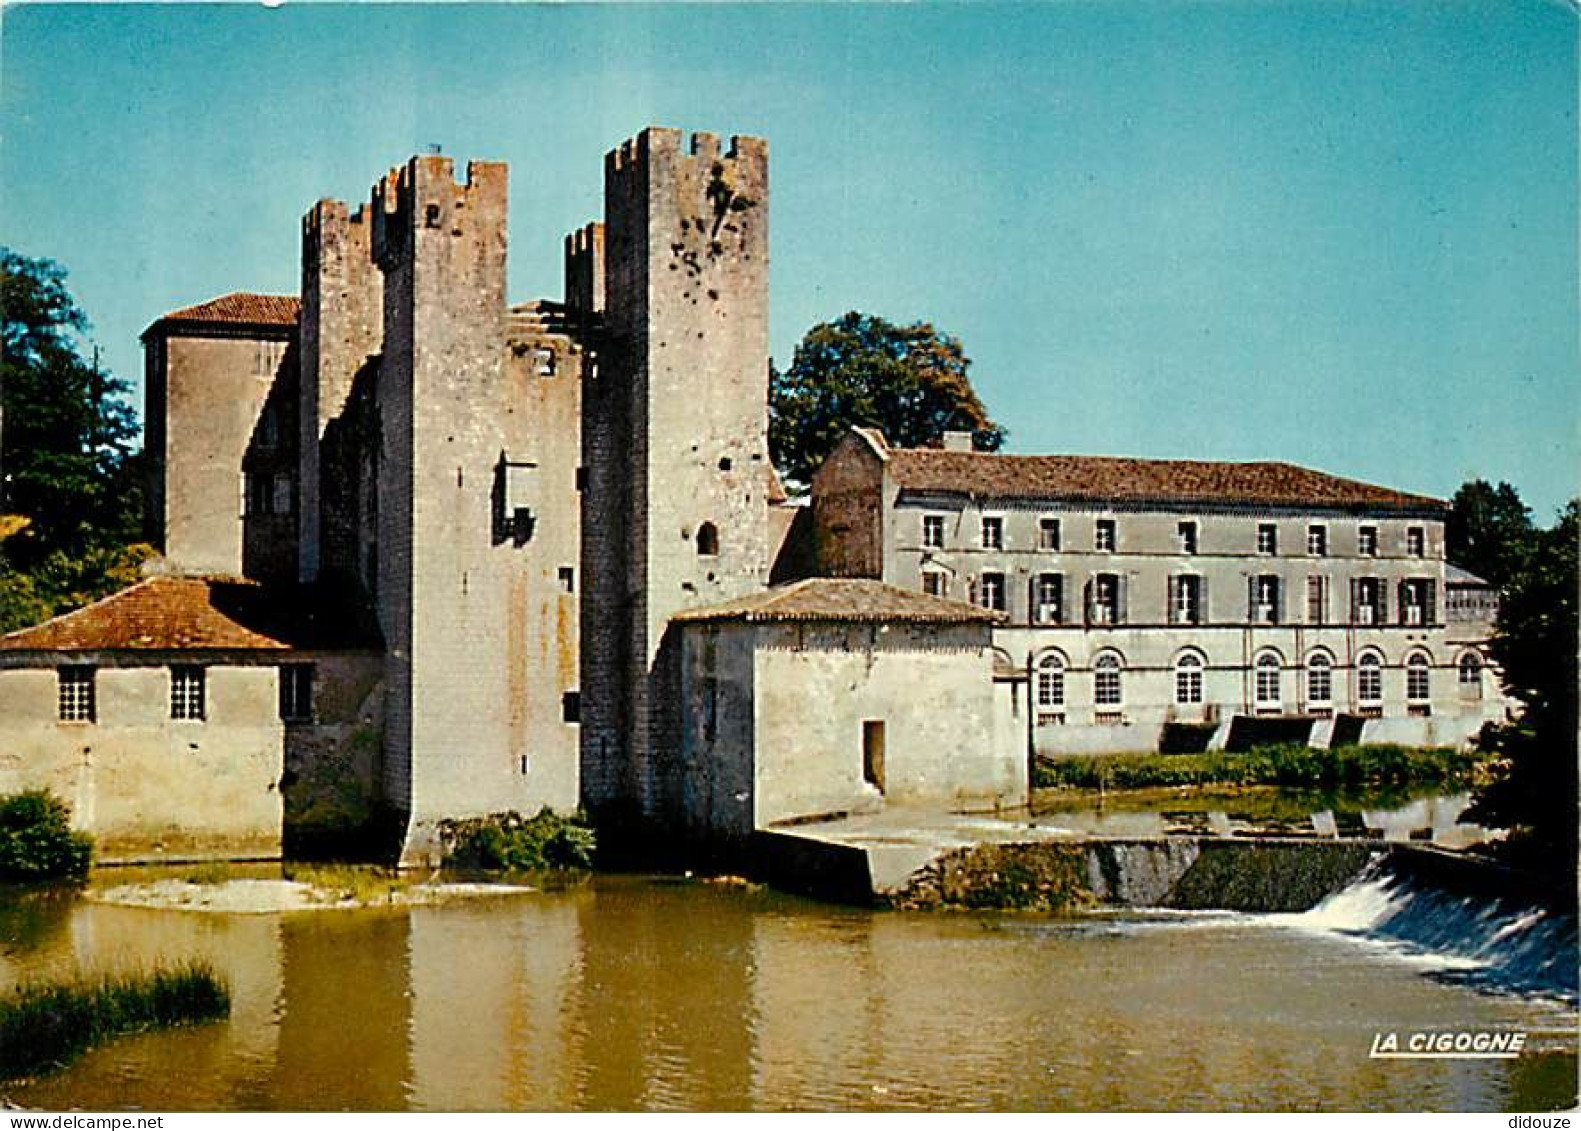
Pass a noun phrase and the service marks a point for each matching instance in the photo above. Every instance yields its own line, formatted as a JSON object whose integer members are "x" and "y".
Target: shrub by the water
{"x": 45, "y": 1026}
{"x": 1290, "y": 765}
{"x": 37, "y": 841}
{"x": 509, "y": 842}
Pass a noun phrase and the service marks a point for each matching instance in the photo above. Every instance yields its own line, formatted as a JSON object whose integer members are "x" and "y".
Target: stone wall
{"x": 208, "y": 391}
{"x": 147, "y": 786}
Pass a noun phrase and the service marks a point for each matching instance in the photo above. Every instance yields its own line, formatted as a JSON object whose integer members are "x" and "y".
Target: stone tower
{"x": 675, "y": 438}
{"x": 441, "y": 577}
{"x": 342, "y": 329}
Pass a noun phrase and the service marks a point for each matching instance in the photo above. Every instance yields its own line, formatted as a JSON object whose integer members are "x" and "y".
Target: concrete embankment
{"x": 986, "y": 864}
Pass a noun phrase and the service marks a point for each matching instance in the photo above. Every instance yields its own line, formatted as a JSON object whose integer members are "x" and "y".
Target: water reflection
{"x": 638, "y": 995}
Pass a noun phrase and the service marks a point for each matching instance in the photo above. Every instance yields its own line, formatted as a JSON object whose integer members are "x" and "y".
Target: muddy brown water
{"x": 635, "y": 993}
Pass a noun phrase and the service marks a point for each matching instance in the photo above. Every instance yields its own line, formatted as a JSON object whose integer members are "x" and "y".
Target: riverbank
{"x": 271, "y": 896}
{"x": 1287, "y": 765}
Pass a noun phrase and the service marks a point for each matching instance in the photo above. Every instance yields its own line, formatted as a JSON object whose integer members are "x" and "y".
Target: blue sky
{"x": 1339, "y": 234}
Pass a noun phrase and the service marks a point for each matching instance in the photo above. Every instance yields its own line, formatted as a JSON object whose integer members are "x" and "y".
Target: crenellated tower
{"x": 675, "y": 440}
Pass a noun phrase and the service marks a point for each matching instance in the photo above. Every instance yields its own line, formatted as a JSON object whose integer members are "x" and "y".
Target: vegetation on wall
{"x": 37, "y": 841}
{"x": 509, "y": 842}
{"x": 45, "y": 1026}
{"x": 1287, "y": 765}
{"x": 71, "y": 491}
{"x": 860, "y": 370}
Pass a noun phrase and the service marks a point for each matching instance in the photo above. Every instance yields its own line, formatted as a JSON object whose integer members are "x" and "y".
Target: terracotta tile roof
{"x": 240, "y": 308}
{"x": 1123, "y": 480}
{"x": 173, "y": 613}
{"x": 843, "y": 599}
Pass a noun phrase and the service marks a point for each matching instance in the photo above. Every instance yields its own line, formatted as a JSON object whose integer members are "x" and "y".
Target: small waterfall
{"x": 1493, "y": 940}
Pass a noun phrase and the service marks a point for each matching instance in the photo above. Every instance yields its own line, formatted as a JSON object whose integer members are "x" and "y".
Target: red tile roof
{"x": 843, "y": 599}
{"x": 178, "y": 613}
{"x": 1123, "y": 480}
{"x": 240, "y": 308}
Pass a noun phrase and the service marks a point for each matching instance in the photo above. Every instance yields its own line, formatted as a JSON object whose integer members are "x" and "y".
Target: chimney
{"x": 957, "y": 441}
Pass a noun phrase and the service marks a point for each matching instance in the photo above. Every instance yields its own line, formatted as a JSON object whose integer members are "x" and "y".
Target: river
{"x": 642, "y": 993}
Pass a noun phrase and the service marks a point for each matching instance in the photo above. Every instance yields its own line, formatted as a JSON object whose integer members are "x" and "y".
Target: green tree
{"x": 70, "y": 482}
{"x": 860, "y": 370}
{"x": 1533, "y": 792}
{"x": 1490, "y": 531}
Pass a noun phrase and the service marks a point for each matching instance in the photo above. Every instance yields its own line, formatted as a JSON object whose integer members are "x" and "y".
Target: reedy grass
{"x": 44, "y": 1026}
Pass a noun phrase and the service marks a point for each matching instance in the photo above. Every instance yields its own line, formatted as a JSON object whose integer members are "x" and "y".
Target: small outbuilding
{"x": 837, "y": 696}
{"x": 177, "y": 716}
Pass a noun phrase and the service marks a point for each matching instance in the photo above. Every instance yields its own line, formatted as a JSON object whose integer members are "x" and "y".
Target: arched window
{"x": 1267, "y": 680}
{"x": 1188, "y": 679}
{"x": 1320, "y": 680}
{"x": 1470, "y": 675}
{"x": 1369, "y": 678}
{"x": 1418, "y": 678}
{"x": 1106, "y": 690}
{"x": 708, "y": 540}
{"x": 1051, "y": 681}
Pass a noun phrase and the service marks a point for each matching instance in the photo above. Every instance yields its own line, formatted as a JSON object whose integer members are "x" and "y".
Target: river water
{"x": 637, "y": 993}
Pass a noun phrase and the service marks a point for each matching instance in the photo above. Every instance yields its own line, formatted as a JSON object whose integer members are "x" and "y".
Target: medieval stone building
{"x": 487, "y": 556}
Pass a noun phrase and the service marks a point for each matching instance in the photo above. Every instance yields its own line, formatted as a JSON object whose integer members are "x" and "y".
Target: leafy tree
{"x": 70, "y": 483}
{"x": 860, "y": 370}
{"x": 1490, "y": 531}
{"x": 1534, "y": 788}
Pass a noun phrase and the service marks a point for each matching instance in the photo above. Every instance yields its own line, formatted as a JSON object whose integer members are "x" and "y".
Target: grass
{"x": 1291, "y": 766}
{"x": 46, "y": 1026}
{"x": 37, "y": 841}
{"x": 362, "y": 885}
{"x": 210, "y": 872}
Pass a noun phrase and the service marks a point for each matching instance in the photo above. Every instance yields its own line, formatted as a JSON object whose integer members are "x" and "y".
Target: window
{"x": 1415, "y": 541}
{"x": 1416, "y": 601}
{"x": 1106, "y": 690}
{"x": 1267, "y": 538}
{"x": 1320, "y": 680}
{"x": 1048, "y": 533}
{"x": 993, "y": 532}
{"x": 933, "y": 531}
{"x": 935, "y": 582}
{"x": 1051, "y": 682}
{"x": 259, "y": 494}
{"x": 1368, "y": 600}
{"x": 186, "y": 692}
{"x": 1187, "y": 534}
{"x": 1188, "y": 680}
{"x": 268, "y": 424}
{"x": 1105, "y": 604}
{"x": 543, "y": 361}
{"x": 1186, "y": 607}
{"x": 296, "y": 692}
{"x": 75, "y": 688}
{"x": 1317, "y": 599}
{"x": 1367, "y": 541}
{"x": 1048, "y": 598}
{"x": 991, "y": 591}
{"x": 282, "y": 494}
{"x": 1103, "y": 538}
{"x": 1317, "y": 541}
{"x": 1469, "y": 673}
{"x": 571, "y": 707}
{"x": 708, "y": 540}
{"x": 1265, "y": 599}
{"x": 1267, "y": 680}
{"x": 1369, "y": 679}
{"x": 1418, "y": 677}
{"x": 567, "y": 576}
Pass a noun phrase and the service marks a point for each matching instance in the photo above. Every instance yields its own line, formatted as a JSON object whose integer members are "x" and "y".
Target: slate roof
{"x": 1123, "y": 480}
{"x": 240, "y": 308}
{"x": 843, "y": 599}
{"x": 161, "y": 614}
